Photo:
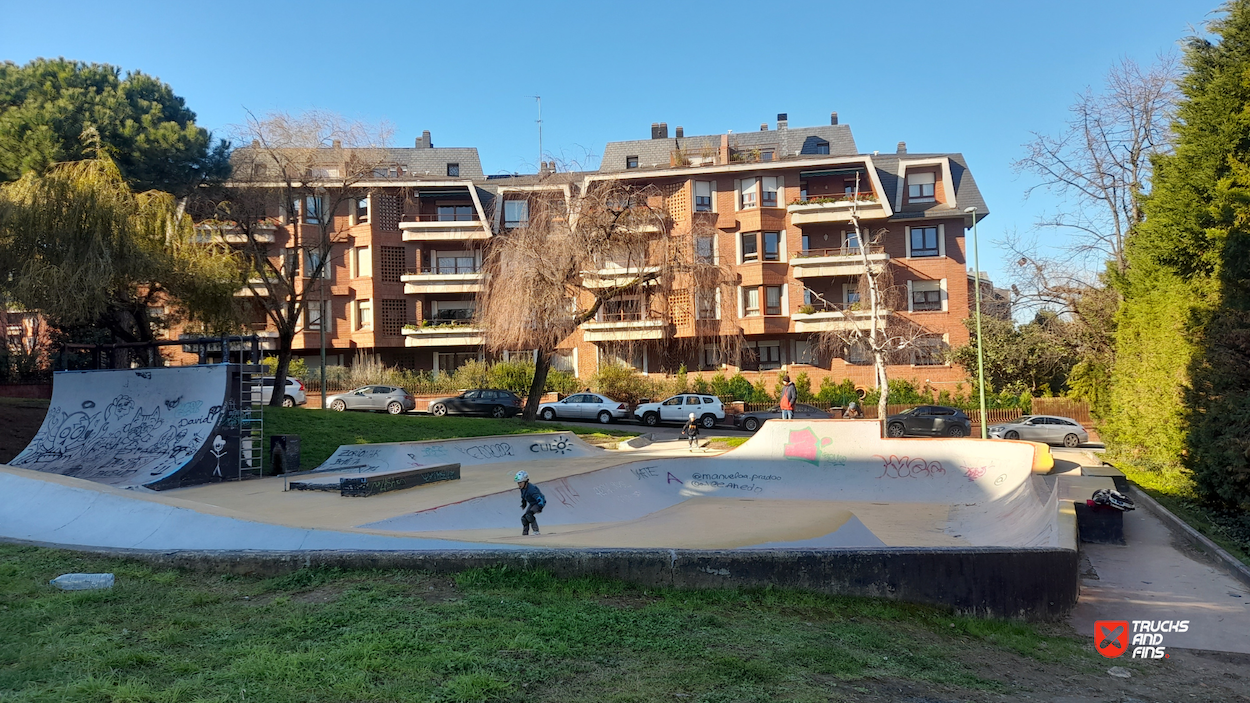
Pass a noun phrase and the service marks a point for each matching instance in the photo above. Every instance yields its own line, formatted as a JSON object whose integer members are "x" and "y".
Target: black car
{"x": 752, "y": 421}
{"x": 479, "y": 401}
{"x": 929, "y": 421}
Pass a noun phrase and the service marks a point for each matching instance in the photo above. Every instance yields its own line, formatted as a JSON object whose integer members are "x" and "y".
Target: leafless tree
{"x": 585, "y": 245}
{"x": 887, "y": 335}
{"x": 1100, "y": 166}
{"x": 301, "y": 172}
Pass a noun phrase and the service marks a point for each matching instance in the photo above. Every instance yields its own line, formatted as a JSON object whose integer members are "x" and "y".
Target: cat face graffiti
{"x": 119, "y": 410}
{"x": 141, "y": 428}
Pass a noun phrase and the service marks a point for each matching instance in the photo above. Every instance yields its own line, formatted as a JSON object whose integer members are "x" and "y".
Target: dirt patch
{"x": 438, "y": 590}
{"x": 322, "y": 594}
{"x": 19, "y": 421}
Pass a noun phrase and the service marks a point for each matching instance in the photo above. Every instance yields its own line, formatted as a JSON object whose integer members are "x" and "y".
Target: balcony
{"x": 841, "y": 261}
{"x": 836, "y": 318}
{"x": 623, "y": 327}
{"x": 615, "y": 275}
{"x": 442, "y": 334}
{"x": 443, "y": 279}
{"x": 263, "y": 234}
{"x": 258, "y": 288}
{"x": 834, "y": 209}
{"x": 424, "y": 228}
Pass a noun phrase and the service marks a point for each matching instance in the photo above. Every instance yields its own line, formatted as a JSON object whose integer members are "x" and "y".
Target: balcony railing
{"x": 835, "y": 199}
{"x": 838, "y": 251}
{"x": 410, "y": 217}
{"x": 621, "y": 316}
{"x": 445, "y": 270}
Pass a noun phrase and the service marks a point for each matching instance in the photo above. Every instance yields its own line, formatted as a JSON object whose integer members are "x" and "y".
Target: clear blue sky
{"x": 966, "y": 76}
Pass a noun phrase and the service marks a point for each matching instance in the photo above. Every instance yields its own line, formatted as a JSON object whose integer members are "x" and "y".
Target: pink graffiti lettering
{"x": 907, "y": 467}
{"x": 974, "y": 472}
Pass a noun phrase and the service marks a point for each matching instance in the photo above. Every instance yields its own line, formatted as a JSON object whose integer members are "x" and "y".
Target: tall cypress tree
{"x": 1181, "y": 387}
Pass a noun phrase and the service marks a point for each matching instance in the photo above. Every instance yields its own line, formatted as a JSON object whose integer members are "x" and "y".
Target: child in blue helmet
{"x": 532, "y": 502}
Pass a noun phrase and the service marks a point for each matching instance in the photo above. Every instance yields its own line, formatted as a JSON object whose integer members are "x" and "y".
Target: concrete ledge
{"x": 638, "y": 442}
{"x": 1200, "y": 541}
{"x": 1031, "y": 584}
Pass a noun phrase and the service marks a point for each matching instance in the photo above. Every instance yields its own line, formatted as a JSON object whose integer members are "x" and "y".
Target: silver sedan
{"x": 584, "y": 406}
{"x": 395, "y": 401}
{"x": 1042, "y": 428}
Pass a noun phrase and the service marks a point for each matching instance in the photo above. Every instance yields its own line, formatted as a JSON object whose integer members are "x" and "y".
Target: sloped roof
{"x": 790, "y": 143}
{"x": 418, "y": 163}
{"x": 967, "y": 194}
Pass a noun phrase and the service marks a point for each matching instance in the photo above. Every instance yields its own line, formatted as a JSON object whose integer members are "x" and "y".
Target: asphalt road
{"x": 660, "y": 432}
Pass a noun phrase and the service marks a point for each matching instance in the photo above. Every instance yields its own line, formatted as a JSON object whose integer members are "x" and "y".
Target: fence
{"x": 1064, "y": 407}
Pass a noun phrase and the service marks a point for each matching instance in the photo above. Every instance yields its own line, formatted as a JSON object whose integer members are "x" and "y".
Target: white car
{"x": 1042, "y": 428}
{"x": 707, "y": 409}
{"x": 584, "y": 406}
{"x": 294, "y": 392}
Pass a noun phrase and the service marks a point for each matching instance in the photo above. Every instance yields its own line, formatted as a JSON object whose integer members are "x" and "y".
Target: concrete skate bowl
{"x": 156, "y": 428}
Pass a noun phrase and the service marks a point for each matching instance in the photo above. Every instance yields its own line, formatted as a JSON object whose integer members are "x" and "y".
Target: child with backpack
{"x": 691, "y": 430}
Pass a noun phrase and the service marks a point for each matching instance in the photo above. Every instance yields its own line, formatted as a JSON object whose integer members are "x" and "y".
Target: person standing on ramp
{"x": 789, "y": 396}
{"x": 532, "y": 502}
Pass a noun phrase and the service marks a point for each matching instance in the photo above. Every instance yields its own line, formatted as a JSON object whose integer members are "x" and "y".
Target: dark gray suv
{"x": 929, "y": 421}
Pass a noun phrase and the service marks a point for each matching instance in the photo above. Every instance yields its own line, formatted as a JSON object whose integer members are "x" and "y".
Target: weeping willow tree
{"x": 77, "y": 245}
{"x": 580, "y": 250}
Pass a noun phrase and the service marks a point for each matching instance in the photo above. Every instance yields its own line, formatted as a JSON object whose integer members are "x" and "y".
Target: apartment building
{"x": 773, "y": 207}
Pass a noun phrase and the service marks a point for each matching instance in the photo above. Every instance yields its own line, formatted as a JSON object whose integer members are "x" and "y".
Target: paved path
{"x": 1158, "y": 576}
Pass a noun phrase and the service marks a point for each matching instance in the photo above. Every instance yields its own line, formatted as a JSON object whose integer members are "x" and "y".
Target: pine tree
{"x": 1181, "y": 386}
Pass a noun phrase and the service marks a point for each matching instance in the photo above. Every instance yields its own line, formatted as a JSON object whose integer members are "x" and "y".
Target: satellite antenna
{"x": 539, "y": 100}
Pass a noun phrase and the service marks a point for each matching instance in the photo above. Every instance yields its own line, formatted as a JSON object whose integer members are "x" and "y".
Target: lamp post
{"x": 976, "y": 278}
{"x": 323, "y": 262}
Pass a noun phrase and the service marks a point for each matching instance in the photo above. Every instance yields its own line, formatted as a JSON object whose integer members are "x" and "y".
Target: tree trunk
{"x": 542, "y": 364}
{"x": 883, "y": 383}
{"x": 279, "y": 375}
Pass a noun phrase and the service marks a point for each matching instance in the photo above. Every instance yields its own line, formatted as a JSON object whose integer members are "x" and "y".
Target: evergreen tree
{"x": 1181, "y": 387}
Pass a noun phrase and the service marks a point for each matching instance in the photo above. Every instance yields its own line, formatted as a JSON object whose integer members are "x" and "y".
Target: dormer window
{"x": 453, "y": 170}
{"x": 822, "y": 147}
{"x": 631, "y": 162}
{"x": 386, "y": 172}
{"x": 920, "y": 187}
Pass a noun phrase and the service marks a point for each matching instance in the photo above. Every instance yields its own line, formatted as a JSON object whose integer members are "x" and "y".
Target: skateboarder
{"x": 691, "y": 430}
{"x": 532, "y": 502}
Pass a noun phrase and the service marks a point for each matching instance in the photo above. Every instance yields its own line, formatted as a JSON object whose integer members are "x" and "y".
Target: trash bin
{"x": 284, "y": 453}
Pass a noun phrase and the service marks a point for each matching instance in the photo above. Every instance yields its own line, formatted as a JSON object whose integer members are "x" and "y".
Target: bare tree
{"x": 581, "y": 249}
{"x": 1100, "y": 166}
{"x": 302, "y": 173}
{"x": 887, "y": 335}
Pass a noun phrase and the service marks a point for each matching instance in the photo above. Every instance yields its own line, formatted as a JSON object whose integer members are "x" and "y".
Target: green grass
{"x": 323, "y": 432}
{"x": 495, "y": 634}
{"x": 730, "y": 442}
{"x": 1175, "y": 491}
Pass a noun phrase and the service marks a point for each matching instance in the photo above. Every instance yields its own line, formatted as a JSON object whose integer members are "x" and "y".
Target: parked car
{"x": 294, "y": 391}
{"x": 707, "y": 409}
{"x": 1042, "y": 428}
{"x": 393, "y": 400}
{"x": 929, "y": 421}
{"x": 752, "y": 421}
{"x": 585, "y": 406}
{"x": 479, "y": 401}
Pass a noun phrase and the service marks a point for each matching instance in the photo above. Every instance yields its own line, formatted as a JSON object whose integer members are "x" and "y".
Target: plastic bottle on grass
{"x": 82, "y": 582}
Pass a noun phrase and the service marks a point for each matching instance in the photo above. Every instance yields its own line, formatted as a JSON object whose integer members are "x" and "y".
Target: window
{"x": 769, "y": 186}
{"x": 702, "y": 196}
{"x": 850, "y": 293}
{"x": 309, "y": 209}
{"x": 705, "y": 305}
{"x": 772, "y": 246}
{"x": 858, "y": 353}
{"x": 766, "y": 155}
{"x": 386, "y": 172}
{"x": 850, "y": 242}
{"x": 362, "y": 210}
{"x": 750, "y": 301}
{"x": 290, "y": 262}
{"x": 929, "y": 352}
{"x": 712, "y": 357}
{"x": 393, "y": 260}
{"x": 312, "y": 258}
{"x": 362, "y": 262}
{"x": 455, "y": 213}
{"x": 453, "y": 170}
{"x": 562, "y": 360}
{"x": 516, "y": 213}
{"x": 450, "y": 361}
{"x": 772, "y": 300}
{"x": 747, "y": 193}
{"x": 705, "y": 249}
{"x": 673, "y": 401}
{"x": 926, "y": 296}
{"x": 822, "y": 147}
{"x": 455, "y": 262}
{"x": 313, "y": 314}
{"x": 920, "y": 187}
{"x": 924, "y": 241}
{"x": 631, "y": 162}
{"x": 364, "y": 315}
{"x": 763, "y": 355}
{"x": 750, "y": 247}
{"x": 259, "y": 170}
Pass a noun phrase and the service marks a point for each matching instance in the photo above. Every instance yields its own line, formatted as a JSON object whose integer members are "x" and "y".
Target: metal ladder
{"x": 251, "y": 421}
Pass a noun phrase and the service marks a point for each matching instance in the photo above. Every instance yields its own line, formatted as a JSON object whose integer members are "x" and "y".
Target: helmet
{"x": 691, "y": 416}
{"x": 852, "y": 406}
{"x": 521, "y": 476}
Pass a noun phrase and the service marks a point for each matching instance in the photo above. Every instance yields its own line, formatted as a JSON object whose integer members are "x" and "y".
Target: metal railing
{"x": 838, "y": 251}
{"x": 834, "y": 199}
{"x": 621, "y": 316}
{"x": 411, "y": 217}
{"x": 427, "y": 270}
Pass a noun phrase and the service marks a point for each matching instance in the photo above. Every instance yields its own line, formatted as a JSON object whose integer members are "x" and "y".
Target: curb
{"x": 638, "y": 442}
{"x": 1200, "y": 541}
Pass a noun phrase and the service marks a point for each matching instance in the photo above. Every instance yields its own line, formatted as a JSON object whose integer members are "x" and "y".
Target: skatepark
{"x": 821, "y": 504}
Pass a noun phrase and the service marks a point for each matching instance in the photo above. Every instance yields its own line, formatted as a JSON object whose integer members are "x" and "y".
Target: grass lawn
{"x": 323, "y": 432}
{"x": 493, "y": 634}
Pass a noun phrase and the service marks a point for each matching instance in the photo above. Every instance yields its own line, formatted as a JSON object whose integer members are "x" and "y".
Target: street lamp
{"x": 321, "y": 287}
{"x": 976, "y": 279}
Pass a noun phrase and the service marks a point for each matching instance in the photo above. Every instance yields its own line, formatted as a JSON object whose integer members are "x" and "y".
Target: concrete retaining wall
{"x": 1031, "y": 584}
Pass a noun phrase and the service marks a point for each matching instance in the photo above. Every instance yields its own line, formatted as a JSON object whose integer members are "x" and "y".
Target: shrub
{"x": 836, "y": 394}
{"x": 297, "y": 369}
{"x": 621, "y": 383}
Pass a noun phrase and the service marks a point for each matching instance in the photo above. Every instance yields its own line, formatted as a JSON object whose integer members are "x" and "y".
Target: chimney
{"x": 680, "y": 133}
{"x": 655, "y": 130}
{"x": 337, "y": 143}
{"x": 663, "y": 130}
{"x": 424, "y": 142}
{"x": 902, "y": 147}
{"x": 833, "y": 118}
{"x": 763, "y": 126}
{"x": 724, "y": 149}
{"x": 783, "y": 120}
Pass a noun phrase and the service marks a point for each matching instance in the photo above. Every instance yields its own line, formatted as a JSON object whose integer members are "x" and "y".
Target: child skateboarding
{"x": 691, "y": 430}
{"x": 532, "y": 502}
